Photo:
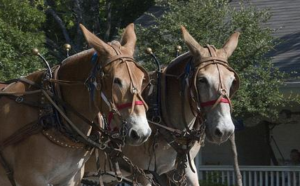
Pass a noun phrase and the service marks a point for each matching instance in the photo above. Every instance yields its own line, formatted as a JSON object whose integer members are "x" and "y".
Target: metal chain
{"x": 122, "y": 135}
{"x": 124, "y": 132}
{"x": 179, "y": 175}
{"x": 139, "y": 170}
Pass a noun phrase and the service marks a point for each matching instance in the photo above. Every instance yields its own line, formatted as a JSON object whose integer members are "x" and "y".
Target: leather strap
{"x": 165, "y": 111}
{"x": 213, "y": 102}
{"x": 8, "y": 170}
{"x": 213, "y": 58}
{"x": 24, "y": 132}
{"x": 64, "y": 82}
{"x": 136, "y": 93}
{"x": 120, "y": 107}
{"x": 117, "y": 57}
{"x": 28, "y": 130}
{"x": 17, "y": 94}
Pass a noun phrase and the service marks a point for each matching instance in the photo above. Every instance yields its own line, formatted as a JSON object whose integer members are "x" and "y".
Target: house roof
{"x": 285, "y": 22}
{"x": 147, "y": 20}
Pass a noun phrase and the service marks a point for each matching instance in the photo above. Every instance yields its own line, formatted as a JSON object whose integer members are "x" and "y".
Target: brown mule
{"x": 208, "y": 85}
{"x": 42, "y": 150}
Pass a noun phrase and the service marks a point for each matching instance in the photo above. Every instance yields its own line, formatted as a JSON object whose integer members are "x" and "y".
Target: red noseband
{"x": 213, "y": 102}
{"x": 120, "y": 107}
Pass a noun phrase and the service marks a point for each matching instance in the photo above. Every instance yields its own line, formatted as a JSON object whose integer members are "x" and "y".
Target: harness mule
{"x": 54, "y": 102}
{"x": 182, "y": 141}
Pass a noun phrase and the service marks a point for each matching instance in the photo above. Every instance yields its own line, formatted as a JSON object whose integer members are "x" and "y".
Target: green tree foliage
{"x": 102, "y": 17}
{"x": 49, "y": 24}
{"x": 19, "y": 33}
{"x": 212, "y": 22}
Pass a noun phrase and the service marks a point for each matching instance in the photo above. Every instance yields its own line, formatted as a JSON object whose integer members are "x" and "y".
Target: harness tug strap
{"x": 19, "y": 135}
{"x": 8, "y": 171}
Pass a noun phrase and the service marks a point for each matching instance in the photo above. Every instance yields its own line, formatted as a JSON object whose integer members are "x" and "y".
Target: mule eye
{"x": 118, "y": 81}
{"x": 202, "y": 80}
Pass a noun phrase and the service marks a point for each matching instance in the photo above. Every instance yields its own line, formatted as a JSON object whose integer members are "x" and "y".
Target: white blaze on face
{"x": 219, "y": 124}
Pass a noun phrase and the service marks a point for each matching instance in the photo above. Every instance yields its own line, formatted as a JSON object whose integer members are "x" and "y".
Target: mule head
{"x": 122, "y": 83}
{"x": 215, "y": 82}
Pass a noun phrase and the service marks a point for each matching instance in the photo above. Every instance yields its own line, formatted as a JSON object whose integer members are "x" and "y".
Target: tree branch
{"x": 95, "y": 6}
{"x": 54, "y": 47}
{"x": 235, "y": 159}
{"x": 108, "y": 25}
{"x": 79, "y": 19}
{"x": 60, "y": 23}
{"x": 52, "y": 44}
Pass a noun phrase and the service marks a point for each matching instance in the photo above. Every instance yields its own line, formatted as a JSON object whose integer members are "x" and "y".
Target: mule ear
{"x": 100, "y": 46}
{"x": 195, "y": 48}
{"x": 231, "y": 44}
{"x": 129, "y": 38}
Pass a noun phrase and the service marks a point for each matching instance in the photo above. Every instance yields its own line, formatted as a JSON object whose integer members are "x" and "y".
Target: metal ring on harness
{"x": 156, "y": 119}
{"x": 115, "y": 135}
{"x": 180, "y": 177}
{"x": 119, "y": 179}
{"x": 103, "y": 146}
{"x": 152, "y": 81}
{"x": 19, "y": 99}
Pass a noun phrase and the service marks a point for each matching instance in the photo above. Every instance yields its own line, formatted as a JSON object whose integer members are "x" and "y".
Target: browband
{"x": 205, "y": 59}
{"x": 121, "y": 56}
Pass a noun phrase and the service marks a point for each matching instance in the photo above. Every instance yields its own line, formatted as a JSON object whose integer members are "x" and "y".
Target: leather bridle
{"x": 114, "y": 108}
{"x": 93, "y": 84}
{"x": 181, "y": 140}
{"x": 224, "y": 95}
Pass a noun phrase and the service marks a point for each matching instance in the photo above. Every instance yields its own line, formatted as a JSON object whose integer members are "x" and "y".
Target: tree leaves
{"x": 20, "y": 25}
{"x": 25, "y": 24}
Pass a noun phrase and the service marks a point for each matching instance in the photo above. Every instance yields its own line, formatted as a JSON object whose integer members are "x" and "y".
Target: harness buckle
{"x": 134, "y": 90}
{"x": 19, "y": 99}
{"x": 115, "y": 135}
{"x": 223, "y": 91}
{"x": 156, "y": 119}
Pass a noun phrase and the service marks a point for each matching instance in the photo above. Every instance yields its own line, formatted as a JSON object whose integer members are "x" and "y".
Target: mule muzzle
{"x": 219, "y": 134}
{"x": 138, "y": 137}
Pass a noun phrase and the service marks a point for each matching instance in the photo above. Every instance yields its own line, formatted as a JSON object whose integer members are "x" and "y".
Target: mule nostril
{"x": 134, "y": 135}
{"x": 218, "y": 133}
